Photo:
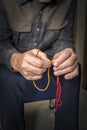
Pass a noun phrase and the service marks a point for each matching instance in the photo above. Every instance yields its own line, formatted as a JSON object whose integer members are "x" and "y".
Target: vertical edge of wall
{"x": 85, "y": 58}
{"x": 80, "y": 32}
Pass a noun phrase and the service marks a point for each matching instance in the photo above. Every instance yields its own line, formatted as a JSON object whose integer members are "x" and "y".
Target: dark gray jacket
{"x": 25, "y": 25}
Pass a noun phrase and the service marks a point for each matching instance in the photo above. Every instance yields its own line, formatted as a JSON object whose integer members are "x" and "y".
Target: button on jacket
{"x": 28, "y": 24}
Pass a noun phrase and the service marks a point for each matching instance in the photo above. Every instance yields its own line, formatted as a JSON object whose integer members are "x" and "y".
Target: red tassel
{"x": 58, "y": 93}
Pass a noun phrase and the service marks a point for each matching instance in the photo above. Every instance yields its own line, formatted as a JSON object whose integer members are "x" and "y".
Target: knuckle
{"x": 25, "y": 73}
{"x": 70, "y": 63}
{"x": 66, "y": 54}
{"x": 26, "y": 55}
{"x": 40, "y": 72}
{"x": 70, "y": 69}
{"x": 44, "y": 54}
{"x": 68, "y": 50}
{"x": 76, "y": 63}
{"x": 26, "y": 77}
{"x": 75, "y": 56}
{"x": 40, "y": 65}
{"x": 31, "y": 78}
{"x": 36, "y": 77}
{"x": 40, "y": 77}
{"x": 74, "y": 69}
{"x": 77, "y": 71}
{"x": 23, "y": 66}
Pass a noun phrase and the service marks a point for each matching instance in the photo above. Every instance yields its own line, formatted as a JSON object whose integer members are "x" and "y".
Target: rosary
{"x": 48, "y": 75}
{"x": 58, "y": 89}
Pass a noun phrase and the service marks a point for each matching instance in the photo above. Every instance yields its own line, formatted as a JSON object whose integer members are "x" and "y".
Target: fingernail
{"x": 55, "y": 64}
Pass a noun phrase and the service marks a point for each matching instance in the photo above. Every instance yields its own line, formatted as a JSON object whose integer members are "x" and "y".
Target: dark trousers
{"x": 12, "y": 89}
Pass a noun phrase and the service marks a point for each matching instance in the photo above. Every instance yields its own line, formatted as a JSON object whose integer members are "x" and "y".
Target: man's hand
{"x": 29, "y": 64}
{"x": 65, "y": 62}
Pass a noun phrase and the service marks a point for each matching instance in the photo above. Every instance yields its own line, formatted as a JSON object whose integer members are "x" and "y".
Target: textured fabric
{"x": 14, "y": 91}
{"x": 30, "y": 92}
{"x": 22, "y": 28}
{"x": 67, "y": 116}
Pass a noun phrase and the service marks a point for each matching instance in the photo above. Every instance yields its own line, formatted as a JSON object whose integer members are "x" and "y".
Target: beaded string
{"x": 48, "y": 75}
{"x": 58, "y": 89}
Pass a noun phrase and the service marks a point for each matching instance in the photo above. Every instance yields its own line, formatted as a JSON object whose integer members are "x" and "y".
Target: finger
{"x": 42, "y": 56}
{"x": 33, "y": 77}
{"x": 28, "y": 68}
{"x": 67, "y": 70}
{"x": 72, "y": 74}
{"x": 34, "y": 61}
{"x": 69, "y": 62}
{"x": 61, "y": 57}
{"x": 36, "y": 77}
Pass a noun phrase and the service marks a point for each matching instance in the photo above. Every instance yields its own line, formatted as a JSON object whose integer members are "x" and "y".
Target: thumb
{"x": 43, "y": 56}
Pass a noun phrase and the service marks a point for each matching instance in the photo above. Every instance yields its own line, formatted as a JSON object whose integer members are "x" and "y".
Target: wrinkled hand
{"x": 29, "y": 64}
{"x": 65, "y": 62}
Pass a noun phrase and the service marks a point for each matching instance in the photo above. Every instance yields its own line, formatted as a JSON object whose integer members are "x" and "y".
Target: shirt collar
{"x": 22, "y": 1}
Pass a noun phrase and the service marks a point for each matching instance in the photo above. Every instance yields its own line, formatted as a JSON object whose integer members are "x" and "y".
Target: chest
{"x": 21, "y": 17}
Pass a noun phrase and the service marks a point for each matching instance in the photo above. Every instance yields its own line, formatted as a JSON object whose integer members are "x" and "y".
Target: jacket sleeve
{"x": 66, "y": 38}
{"x": 6, "y": 47}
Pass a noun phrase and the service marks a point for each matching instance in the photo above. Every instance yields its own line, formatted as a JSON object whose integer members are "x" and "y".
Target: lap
{"x": 15, "y": 80}
{"x": 69, "y": 87}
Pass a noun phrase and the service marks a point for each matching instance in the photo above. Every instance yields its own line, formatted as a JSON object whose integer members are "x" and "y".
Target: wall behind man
{"x": 80, "y": 32}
